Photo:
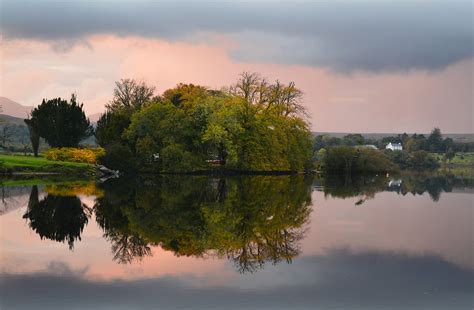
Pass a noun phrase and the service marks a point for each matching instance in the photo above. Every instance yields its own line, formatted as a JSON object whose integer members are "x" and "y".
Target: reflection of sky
{"x": 390, "y": 251}
{"x": 339, "y": 280}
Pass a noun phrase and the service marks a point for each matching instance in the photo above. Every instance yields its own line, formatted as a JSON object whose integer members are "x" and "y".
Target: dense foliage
{"x": 252, "y": 126}
{"x": 119, "y": 157}
{"x": 337, "y": 155}
{"x": 110, "y": 127}
{"x": 349, "y": 160}
{"x": 419, "y": 160}
{"x": 59, "y": 122}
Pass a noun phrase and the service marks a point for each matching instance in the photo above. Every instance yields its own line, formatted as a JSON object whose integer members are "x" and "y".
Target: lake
{"x": 248, "y": 242}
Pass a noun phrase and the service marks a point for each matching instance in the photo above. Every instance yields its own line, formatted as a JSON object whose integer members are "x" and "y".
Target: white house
{"x": 394, "y": 146}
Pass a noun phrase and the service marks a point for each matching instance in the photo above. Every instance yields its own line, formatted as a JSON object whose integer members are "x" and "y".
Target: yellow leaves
{"x": 79, "y": 155}
{"x": 74, "y": 189}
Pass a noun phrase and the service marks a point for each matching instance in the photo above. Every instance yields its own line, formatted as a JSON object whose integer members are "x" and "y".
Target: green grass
{"x": 30, "y": 164}
{"x": 459, "y": 160}
{"x": 34, "y": 162}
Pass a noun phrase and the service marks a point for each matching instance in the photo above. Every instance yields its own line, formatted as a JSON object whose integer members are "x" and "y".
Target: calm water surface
{"x": 238, "y": 243}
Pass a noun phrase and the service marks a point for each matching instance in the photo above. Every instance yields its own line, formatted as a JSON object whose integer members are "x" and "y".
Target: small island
{"x": 250, "y": 127}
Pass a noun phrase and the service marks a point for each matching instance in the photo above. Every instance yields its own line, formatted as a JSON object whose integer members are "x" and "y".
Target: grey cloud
{"x": 342, "y": 35}
{"x": 341, "y": 279}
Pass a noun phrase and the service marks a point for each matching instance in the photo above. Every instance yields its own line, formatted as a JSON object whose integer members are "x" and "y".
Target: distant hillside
{"x": 18, "y": 138}
{"x": 457, "y": 137}
{"x": 12, "y": 108}
{"x": 11, "y": 120}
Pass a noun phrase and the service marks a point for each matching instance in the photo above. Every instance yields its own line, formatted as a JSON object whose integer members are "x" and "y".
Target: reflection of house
{"x": 394, "y": 146}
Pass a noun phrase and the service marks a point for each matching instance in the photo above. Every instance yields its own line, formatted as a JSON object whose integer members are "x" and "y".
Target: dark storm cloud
{"x": 342, "y": 35}
{"x": 339, "y": 280}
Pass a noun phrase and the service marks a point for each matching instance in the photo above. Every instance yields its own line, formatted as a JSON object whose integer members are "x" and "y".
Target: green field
{"x": 459, "y": 160}
{"x": 30, "y": 164}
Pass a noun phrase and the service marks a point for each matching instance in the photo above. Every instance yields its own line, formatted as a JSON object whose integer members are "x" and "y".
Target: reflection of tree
{"x": 126, "y": 245}
{"x": 59, "y": 218}
{"x": 416, "y": 184}
{"x": 250, "y": 220}
{"x": 363, "y": 187}
{"x": 263, "y": 220}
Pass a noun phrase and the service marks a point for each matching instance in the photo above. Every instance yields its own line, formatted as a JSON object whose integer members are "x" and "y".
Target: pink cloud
{"x": 413, "y": 101}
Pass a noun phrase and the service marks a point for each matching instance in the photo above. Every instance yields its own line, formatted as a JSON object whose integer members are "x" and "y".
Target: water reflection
{"x": 55, "y": 217}
{"x": 365, "y": 187}
{"x": 249, "y": 220}
{"x": 339, "y": 279}
{"x": 396, "y": 252}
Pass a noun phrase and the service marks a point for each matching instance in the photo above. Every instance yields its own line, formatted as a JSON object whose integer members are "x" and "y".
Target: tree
{"x": 33, "y": 130}
{"x": 435, "y": 141}
{"x": 284, "y": 100}
{"x": 450, "y": 154}
{"x": 60, "y": 123}
{"x": 255, "y": 126}
{"x": 131, "y": 95}
{"x": 110, "y": 127}
{"x": 353, "y": 139}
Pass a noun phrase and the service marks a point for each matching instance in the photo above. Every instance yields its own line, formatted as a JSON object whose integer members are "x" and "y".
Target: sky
{"x": 363, "y": 65}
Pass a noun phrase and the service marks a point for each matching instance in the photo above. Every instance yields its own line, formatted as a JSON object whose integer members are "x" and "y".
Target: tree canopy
{"x": 253, "y": 125}
{"x": 59, "y": 122}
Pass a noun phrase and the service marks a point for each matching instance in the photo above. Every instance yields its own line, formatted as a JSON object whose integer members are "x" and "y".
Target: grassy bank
{"x": 460, "y": 159}
{"x": 461, "y": 163}
{"x": 20, "y": 164}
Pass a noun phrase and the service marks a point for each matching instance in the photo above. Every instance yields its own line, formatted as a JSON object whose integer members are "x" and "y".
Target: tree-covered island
{"x": 252, "y": 126}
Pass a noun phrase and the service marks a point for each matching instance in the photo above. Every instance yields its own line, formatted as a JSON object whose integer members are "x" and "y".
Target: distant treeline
{"x": 434, "y": 142}
{"x": 354, "y": 154}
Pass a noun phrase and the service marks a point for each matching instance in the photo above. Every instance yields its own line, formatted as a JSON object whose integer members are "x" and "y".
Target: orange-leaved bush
{"x": 79, "y": 155}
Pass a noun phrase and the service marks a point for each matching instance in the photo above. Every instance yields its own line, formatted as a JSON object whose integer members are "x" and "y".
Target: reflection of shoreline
{"x": 249, "y": 220}
{"x": 390, "y": 222}
{"x": 152, "y": 201}
{"x": 367, "y": 186}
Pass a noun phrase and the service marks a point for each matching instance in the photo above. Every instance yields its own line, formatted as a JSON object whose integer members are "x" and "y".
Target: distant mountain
{"x": 12, "y": 108}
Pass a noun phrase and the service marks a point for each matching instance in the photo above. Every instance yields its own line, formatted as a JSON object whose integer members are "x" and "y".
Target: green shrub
{"x": 348, "y": 160}
{"x": 119, "y": 157}
{"x": 419, "y": 160}
{"x": 176, "y": 159}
